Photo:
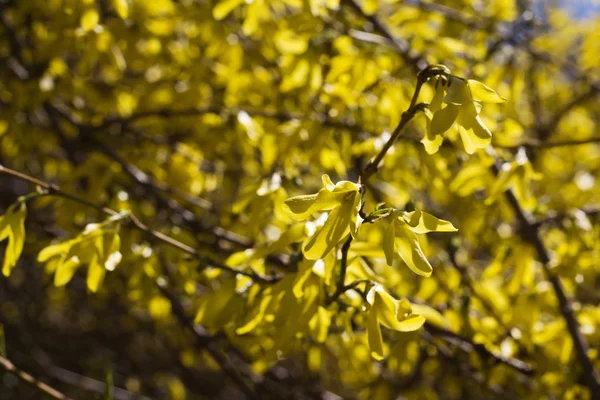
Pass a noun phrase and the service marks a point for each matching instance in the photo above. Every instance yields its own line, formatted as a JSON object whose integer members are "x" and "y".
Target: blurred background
{"x": 203, "y": 116}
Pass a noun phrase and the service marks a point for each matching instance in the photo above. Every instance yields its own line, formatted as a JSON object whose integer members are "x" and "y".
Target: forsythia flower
{"x": 342, "y": 200}
{"x": 391, "y": 313}
{"x": 463, "y": 99}
{"x": 400, "y": 238}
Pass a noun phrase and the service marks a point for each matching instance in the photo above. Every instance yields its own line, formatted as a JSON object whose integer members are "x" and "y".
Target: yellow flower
{"x": 342, "y": 200}
{"x": 401, "y": 238}
{"x": 463, "y": 100}
{"x": 391, "y": 313}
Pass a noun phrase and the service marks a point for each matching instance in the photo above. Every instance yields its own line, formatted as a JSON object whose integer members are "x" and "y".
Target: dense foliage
{"x": 299, "y": 199}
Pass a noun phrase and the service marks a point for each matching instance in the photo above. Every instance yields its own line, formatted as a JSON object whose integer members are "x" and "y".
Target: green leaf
{"x": 481, "y": 92}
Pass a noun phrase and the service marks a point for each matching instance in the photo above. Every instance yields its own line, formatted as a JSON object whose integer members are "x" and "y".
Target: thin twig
{"x": 538, "y": 144}
{"x": 31, "y": 381}
{"x": 415, "y": 61}
{"x": 204, "y": 340}
{"x": 450, "y": 13}
{"x": 55, "y": 190}
{"x": 529, "y": 232}
{"x": 468, "y": 345}
{"x": 343, "y": 267}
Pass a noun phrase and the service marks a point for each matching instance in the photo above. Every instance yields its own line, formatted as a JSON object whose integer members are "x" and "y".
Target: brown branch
{"x": 282, "y": 116}
{"x": 529, "y": 232}
{"x": 548, "y": 129}
{"x": 204, "y": 341}
{"x": 202, "y": 337}
{"x": 487, "y": 305}
{"x": 549, "y": 145}
{"x": 90, "y": 384}
{"x": 415, "y": 61}
{"x": 56, "y": 191}
{"x": 156, "y": 189}
{"x": 31, "y": 381}
{"x": 468, "y": 345}
{"x": 407, "y": 116}
{"x": 343, "y": 267}
{"x": 556, "y": 216}
{"x": 450, "y": 13}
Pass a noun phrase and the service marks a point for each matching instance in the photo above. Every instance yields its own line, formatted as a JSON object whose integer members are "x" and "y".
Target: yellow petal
{"x": 412, "y": 323}
{"x": 95, "y": 275}
{"x": 386, "y": 308}
{"x": 432, "y": 315}
{"x": 458, "y": 92}
{"x": 471, "y": 141}
{"x": 89, "y": 20}
{"x": 443, "y": 119}
{"x": 481, "y": 92}
{"x": 331, "y": 233}
{"x": 66, "y": 270}
{"x": 389, "y": 238}
{"x": 301, "y": 207}
{"x": 374, "y": 336}
{"x": 223, "y": 9}
{"x": 407, "y": 245}
{"x": 431, "y": 142}
{"x": 436, "y": 101}
{"x": 287, "y": 41}
{"x": 422, "y": 222}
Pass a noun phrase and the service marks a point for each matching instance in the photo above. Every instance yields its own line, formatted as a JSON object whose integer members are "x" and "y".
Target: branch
{"x": 31, "y": 381}
{"x": 529, "y": 232}
{"x": 538, "y": 144}
{"x": 282, "y": 116}
{"x": 422, "y": 77}
{"x": 343, "y": 267}
{"x": 450, "y": 13}
{"x": 487, "y": 305}
{"x": 204, "y": 341}
{"x": 547, "y": 129}
{"x": 90, "y": 384}
{"x": 56, "y": 191}
{"x": 415, "y": 61}
{"x": 202, "y": 338}
{"x": 468, "y": 345}
{"x": 555, "y": 216}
